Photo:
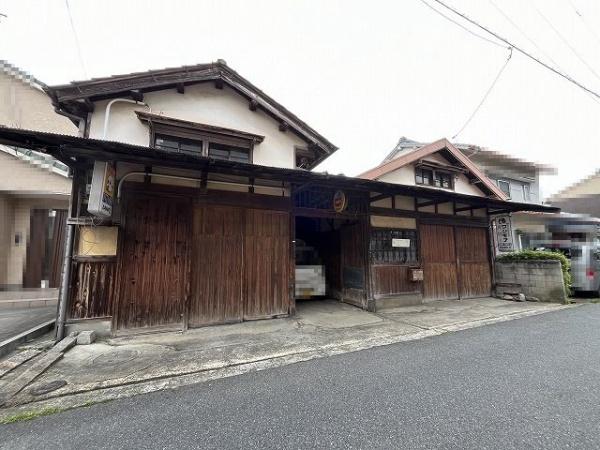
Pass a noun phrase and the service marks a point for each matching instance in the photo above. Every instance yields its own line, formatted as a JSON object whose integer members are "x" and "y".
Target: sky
{"x": 362, "y": 73}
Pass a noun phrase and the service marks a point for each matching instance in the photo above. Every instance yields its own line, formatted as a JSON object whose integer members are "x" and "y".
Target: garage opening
{"x": 321, "y": 255}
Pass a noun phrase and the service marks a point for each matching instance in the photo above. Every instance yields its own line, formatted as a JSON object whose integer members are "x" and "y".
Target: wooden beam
{"x": 379, "y": 197}
{"x": 467, "y": 208}
{"x": 283, "y": 127}
{"x": 180, "y": 88}
{"x": 219, "y": 84}
{"x": 253, "y": 105}
{"x": 137, "y": 95}
{"x": 429, "y": 203}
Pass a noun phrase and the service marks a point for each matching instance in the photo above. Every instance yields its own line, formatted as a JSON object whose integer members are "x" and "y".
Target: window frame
{"x": 411, "y": 254}
{"x": 434, "y": 172}
{"x": 527, "y": 192}
{"x": 509, "y": 194}
{"x": 206, "y": 138}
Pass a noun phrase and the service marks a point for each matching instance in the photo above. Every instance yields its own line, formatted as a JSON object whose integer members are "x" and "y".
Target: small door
{"x": 154, "y": 260}
{"x": 217, "y": 262}
{"x": 473, "y": 262}
{"x": 438, "y": 255}
{"x": 36, "y": 249}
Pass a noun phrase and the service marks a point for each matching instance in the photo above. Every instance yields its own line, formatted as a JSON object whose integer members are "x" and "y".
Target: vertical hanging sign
{"x": 504, "y": 234}
{"x": 103, "y": 189}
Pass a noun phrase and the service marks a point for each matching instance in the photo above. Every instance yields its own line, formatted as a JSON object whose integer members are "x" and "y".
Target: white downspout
{"x": 107, "y": 111}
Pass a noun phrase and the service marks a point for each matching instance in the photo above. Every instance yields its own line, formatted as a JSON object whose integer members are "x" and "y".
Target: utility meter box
{"x": 102, "y": 192}
{"x": 415, "y": 274}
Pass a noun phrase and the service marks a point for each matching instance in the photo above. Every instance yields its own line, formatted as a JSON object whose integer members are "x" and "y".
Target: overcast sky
{"x": 363, "y": 73}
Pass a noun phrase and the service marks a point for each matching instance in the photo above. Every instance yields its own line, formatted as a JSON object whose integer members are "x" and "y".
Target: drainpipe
{"x": 115, "y": 100}
{"x": 65, "y": 278}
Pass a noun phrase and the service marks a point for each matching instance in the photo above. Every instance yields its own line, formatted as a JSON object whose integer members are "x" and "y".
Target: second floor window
{"x": 504, "y": 187}
{"x": 228, "y": 152}
{"x": 205, "y": 146}
{"x": 177, "y": 144}
{"x": 429, "y": 177}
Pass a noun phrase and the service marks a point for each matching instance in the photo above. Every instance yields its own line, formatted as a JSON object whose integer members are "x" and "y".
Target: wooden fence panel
{"x": 93, "y": 289}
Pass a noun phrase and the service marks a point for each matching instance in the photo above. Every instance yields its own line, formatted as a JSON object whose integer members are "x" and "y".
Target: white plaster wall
{"x": 201, "y": 103}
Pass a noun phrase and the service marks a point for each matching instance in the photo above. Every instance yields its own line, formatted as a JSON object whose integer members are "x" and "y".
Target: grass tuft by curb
{"x": 30, "y": 415}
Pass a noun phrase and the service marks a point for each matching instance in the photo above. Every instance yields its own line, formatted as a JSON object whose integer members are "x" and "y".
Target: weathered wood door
{"x": 438, "y": 255}
{"x": 36, "y": 248}
{"x": 473, "y": 262}
{"x": 217, "y": 264}
{"x": 266, "y": 264}
{"x": 354, "y": 248}
{"x": 154, "y": 262}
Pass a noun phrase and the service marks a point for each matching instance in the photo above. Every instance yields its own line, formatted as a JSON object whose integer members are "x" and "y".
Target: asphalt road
{"x": 528, "y": 383}
{"x": 16, "y": 320}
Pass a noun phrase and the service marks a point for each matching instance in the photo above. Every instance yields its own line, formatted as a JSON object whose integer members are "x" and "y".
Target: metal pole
{"x": 64, "y": 284}
{"x": 65, "y": 279}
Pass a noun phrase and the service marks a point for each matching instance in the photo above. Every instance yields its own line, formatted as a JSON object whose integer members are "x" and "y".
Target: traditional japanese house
{"x": 194, "y": 203}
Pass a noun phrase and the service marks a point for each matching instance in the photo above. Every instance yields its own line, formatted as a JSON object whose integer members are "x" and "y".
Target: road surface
{"x": 528, "y": 383}
{"x": 16, "y": 320}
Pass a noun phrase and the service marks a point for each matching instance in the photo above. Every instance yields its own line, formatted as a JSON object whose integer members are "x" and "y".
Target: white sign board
{"x": 102, "y": 192}
{"x": 504, "y": 234}
{"x": 404, "y": 243}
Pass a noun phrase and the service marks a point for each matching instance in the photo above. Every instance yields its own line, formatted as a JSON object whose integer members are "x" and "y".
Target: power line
{"x": 462, "y": 26}
{"x": 564, "y": 40}
{"x": 76, "y": 40}
{"x": 520, "y": 30}
{"x": 582, "y": 18}
{"x": 520, "y": 50}
{"x": 485, "y": 96}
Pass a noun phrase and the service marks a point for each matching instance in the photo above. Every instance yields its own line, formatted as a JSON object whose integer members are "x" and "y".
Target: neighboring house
{"x": 518, "y": 179}
{"x": 582, "y": 197}
{"x": 202, "y": 208}
{"x": 34, "y": 188}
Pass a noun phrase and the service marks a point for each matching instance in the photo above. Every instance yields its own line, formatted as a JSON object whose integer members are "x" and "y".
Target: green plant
{"x": 29, "y": 415}
{"x": 544, "y": 255}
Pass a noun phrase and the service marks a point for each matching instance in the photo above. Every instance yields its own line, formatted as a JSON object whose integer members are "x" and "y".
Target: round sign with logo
{"x": 339, "y": 201}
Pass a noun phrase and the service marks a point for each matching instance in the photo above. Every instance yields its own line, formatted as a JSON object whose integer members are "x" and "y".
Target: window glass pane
{"x": 504, "y": 187}
{"x": 215, "y": 153}
{"x": 193, "y": 148}
{"x": 230, "y": 152}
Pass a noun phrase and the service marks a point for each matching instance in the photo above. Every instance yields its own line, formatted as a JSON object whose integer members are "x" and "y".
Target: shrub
{"x": 545, "y": 255}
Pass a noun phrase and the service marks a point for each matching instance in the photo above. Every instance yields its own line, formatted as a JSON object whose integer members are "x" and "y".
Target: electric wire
{"x": 79, "y": 54}
{"x": 485, "y": 96}
{"x": 582, "y": 18}
{"x": 520, "y": 30}
{"x": 520, "y": 50}
{"x": 564, "y": 40}
{"x": 462, "y": 26}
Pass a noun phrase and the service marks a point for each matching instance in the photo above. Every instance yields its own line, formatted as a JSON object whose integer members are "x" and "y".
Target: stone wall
{"x": 537, "y": 280}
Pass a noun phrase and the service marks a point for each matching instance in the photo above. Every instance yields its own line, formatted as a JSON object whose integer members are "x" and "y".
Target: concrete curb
{"x": 27, "y": 303}
{"x": 12, "y": 343}
{"x": 101, "y": 392}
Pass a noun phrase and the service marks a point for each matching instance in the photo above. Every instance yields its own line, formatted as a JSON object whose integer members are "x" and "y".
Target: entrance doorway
{"x": 330, "y": 259}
